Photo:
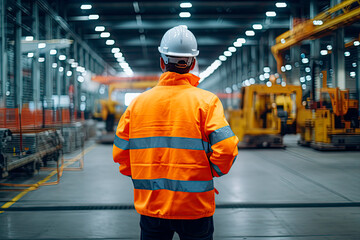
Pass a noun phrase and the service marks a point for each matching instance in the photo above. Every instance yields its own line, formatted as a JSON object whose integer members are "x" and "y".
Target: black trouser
{"x": 164, "y": 229}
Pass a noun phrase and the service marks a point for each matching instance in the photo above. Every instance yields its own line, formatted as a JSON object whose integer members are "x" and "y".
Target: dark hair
{"x": 178, "y": 67}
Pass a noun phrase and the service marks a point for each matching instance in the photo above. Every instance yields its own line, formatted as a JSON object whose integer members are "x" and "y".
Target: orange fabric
{"x": 174, "y": 111}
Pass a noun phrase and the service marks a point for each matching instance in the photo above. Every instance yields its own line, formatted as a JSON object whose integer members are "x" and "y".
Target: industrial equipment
{"x": 331, "y": 123}
{"x": 28, "y": 149}
{"x": 267, "y": 112}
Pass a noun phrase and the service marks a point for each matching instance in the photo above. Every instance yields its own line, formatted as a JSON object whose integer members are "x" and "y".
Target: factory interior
{"x": 287, "y": 74}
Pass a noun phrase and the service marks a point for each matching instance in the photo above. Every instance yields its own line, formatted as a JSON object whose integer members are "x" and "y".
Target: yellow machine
{"x": 333, "y": 123}
{"x": 265, "y": 114}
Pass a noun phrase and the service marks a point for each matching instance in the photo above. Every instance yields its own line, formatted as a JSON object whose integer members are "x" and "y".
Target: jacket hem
{"x": 189, "y": 217}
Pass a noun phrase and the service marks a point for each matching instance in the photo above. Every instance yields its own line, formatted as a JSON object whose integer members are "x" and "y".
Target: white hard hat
{"x": 179, "y": 42}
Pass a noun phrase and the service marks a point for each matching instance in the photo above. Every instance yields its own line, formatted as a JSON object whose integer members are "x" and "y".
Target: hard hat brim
{"x": 175, "y": 54}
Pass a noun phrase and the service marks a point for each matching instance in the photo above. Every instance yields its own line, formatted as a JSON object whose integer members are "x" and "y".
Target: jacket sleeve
{"x": 121, "y": 152}
{"x": 222, "y": 140}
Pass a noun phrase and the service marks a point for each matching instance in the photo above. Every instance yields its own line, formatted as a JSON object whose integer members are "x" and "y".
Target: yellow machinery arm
{"x": 343, "y": 14}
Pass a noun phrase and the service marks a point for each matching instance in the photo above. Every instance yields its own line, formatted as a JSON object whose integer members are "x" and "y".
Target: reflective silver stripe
{"x": 121, "y": 143}
{"x": 173, "y": 185}
{"x": 220, "y": 134}
{"x": 169, "y": 142}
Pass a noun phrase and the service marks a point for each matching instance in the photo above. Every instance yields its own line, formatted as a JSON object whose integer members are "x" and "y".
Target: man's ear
{"x": 162, "y": 64}
{"x": 193, "y": 64}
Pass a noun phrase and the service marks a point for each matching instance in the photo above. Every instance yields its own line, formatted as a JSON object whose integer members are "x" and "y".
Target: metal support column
{"x": 338, "y": 52}
{"x": 314, "y": 57}
{"x": 18, "y": 65}
{"x": 358, "y": 75}
{"x": 245, "y": 58}
{"x": 48, "y": 71}
{"x": 261, "y": 59}
{"x": 254, "y": 61}
{"x": 3, "y": 57}
{"x": 35, "y": 64}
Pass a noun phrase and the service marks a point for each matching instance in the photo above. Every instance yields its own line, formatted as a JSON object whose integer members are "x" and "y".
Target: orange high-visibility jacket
{"x": 172, "y": 140}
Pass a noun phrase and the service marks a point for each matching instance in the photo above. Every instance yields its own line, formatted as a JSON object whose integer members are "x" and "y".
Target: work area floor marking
{"x": 68, "y": 163}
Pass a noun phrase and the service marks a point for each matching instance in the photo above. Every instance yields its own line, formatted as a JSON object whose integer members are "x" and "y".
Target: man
{"x": 172, "y": 140}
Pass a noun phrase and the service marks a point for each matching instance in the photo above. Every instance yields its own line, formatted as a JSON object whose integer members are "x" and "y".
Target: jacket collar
{"x": 172, "y": 79}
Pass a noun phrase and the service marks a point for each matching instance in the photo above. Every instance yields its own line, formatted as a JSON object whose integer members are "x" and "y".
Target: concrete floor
{"x": 260, "y": 180}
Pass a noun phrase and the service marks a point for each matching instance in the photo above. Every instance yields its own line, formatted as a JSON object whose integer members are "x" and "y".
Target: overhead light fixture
{"x": 347, "y": 54}
{"x": 124, "y": 65}
{"x": 54, "y": 65}
{"x": 30, "y": 55}
{"x": 99, "y": 28}
{"x": 257, "y": 26}
{"x": 227, "y": 53}
{"x": 305, "y": 60}
{"x": 288, "y": 67}
{"x": 74, "y": 64}
{"x": 237, "y": 44}
{"x": 324, "y": 52}
{"x": 61, "y": 69}
{"x": 280, "y": 4}
{"x": 267, "y": 69}
{"x": 269, "y": 84}
{"x": 241, "y": 40}
{"x": 85, "y": 6}
{"x": 222, "y": 58}
{"x": 115, "y": 50}
{"x": 250, "y": 33}
{"x": 42, "y": 45}
{"x": 283, "y": 69}
{"x": 118, "y": 54}
{"x": 105, "y": 35}
{"x": 283, "y": 41}
{"x": 41, "y": 59}
{"x": 307, "y": 69}
{"x": 329, "y": 47}
{"x": 318, "y": 22}
{"x": 69, "y": 73}
{"x": 110, "y": 42}
{"x": 62, "y": 57}
{"x": 232, "y": 49}
{"x": 270, "y": 14}
{"x": 120, "y": 59}
{"x": 29, "y": 38}
{"x": 352, "y": 74}
{"x": 185, "y": 14}
{"x": 53, "y": 52}
{"x": 185, "y": 5}
{"x": 356, "y": 43}
{"x": 93, "y": 16}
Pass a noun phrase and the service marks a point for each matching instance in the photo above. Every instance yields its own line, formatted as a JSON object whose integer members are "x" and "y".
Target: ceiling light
{"x": 305, "y": 60}
{"x": 308, "y": 77}
{"x": 261, "y": 77}
{"x": 99, "y": 28}
{"x": 53, "y": 52}
{"x": 250, "y": 33}
{"x": 302, "y": 79}
{"x": 283, "y": 69}
{"x": 61, "y": 69}
{"x": 352, "y": 74}
{"x": 269, "y": 84}
{"x": 237, "y": 44}
{"x": 288, "y": 67}
{"x": 280, "y": 4}
{"x": 115, "y": 50}
{"x": 124, "y": 65}
{"x": 329, "y": 47}
{"x": 354, "y": 64}
{"x": 266, "y": 75}
{"x": 185, "y": 5}
{"x": 30, "y": 54}
{"x": 29, "y": 38}
{"x": 74, "y": 64}
{"x": 80, "y": 79}
{"x": 118, "y": 54}
{"x": 62, "y": 57}
{"x": 266, "y": 69}
{"x": 227, "y": 53}
{"x": 105, "y": 34}
{"x": 271, "y": 14}
{"x": 283, "y": 41}
{"x": 110, "y": 42}
{"x": 71, "y": 60}
{"x": 318, "y": 22}
{"x": 257, "y": 26}
{"x": 69, "y": 73}
{"x": 241, "y": 40}
{"x": 356, "y": 43}
{"x": 222, "y": 58}
{"x": 347, "y": 54}
{"x": 232, "y": 49}
{"x": 185, "y": 14}
{"x": 120, "y": 59}
{"x": 54, "y": 65}
{"x": 93, "y": 17}
{"x": 283, "y": 84}
{"x": 42, "y": 45}
{"x": 324, "y": 52}
{"x": 307, "y": 69}
{"x": 86, "y": 7}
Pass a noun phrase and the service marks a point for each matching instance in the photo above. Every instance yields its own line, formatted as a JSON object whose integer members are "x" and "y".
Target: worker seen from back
{"x": 172, "y": 141}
